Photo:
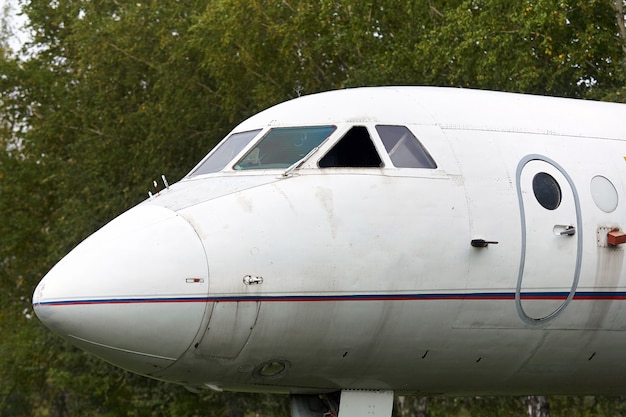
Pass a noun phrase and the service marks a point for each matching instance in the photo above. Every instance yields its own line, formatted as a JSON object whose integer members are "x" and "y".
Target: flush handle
{"x": 564, "y": 230}
{"x": 250, "y": 280}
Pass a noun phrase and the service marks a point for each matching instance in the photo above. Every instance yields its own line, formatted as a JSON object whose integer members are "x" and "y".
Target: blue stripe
{"x": 588, "y": 295}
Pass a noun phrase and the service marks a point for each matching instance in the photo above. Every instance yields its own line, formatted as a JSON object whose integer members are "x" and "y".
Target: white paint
{"x": 369, "y": 280}
{"x": 366, "y": 403}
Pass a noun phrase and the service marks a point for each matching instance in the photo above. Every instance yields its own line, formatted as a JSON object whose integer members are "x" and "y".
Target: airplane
{"x": 344, "y": 246}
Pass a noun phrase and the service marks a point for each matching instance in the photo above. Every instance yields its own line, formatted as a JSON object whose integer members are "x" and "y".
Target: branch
{"x": 131, "y": 56}
{"x": 618, "y": 6}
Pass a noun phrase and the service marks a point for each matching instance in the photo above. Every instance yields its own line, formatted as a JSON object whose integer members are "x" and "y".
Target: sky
{"x": 16, "y": 24}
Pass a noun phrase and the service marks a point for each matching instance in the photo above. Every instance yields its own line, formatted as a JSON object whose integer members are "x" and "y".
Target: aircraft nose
{"x": 134, "y": 293}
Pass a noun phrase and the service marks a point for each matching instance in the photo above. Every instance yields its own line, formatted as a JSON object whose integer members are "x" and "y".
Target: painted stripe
{"x": 604, "y": 295}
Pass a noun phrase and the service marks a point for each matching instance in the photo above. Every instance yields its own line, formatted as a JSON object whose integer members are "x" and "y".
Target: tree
{"x": 111, "y": 94}
{"x": 620, "y": 18}
{"x": 87, "y": 122}
{"x": 286, "y": 48}
{"x": 541, "y": 47}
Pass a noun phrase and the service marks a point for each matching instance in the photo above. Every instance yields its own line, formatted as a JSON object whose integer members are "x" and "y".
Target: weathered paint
{"x": 369, "y": 278}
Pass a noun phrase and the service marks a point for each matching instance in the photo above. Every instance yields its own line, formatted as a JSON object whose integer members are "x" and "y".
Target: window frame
{"x": 219, "y": 147}
{"x": 433, "y": 165}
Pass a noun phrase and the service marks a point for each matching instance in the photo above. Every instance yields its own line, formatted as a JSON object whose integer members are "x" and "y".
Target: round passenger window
{"x": 547, "y": 191}
{"x": 604, "y": 194}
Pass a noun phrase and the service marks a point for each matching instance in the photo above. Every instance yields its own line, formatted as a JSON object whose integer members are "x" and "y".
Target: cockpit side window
{"x": 225, "y": 152}
{"x": 354, "y": 149}
{"x": 282, "y": 147}
{"x": 403, "y": 147}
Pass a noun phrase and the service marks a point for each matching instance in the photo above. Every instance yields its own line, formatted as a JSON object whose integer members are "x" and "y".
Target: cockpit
{"x": 288, "y": 147}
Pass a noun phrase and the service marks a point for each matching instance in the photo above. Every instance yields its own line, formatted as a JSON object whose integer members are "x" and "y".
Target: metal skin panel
{"x": 321, "y": 280}
{"x": 116, "y": 295}
{"x": 365, "y": 403}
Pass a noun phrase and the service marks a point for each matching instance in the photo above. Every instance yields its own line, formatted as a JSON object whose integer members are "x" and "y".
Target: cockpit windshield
{"x": 225, "y": 152}
{"x": 281, "y": 147}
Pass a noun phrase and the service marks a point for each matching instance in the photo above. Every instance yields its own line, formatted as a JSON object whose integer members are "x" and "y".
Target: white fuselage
{"x": 490, "y": 273}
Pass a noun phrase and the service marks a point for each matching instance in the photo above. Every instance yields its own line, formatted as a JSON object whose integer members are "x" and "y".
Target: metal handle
{"x": 482, "y": 243}
{"x": 250, "y": 280}
{"x": 564, "y": 230}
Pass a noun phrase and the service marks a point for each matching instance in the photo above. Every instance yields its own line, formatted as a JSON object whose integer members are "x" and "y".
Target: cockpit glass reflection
{"x": 284, "y": 146}
{"x": 225, "y": 152}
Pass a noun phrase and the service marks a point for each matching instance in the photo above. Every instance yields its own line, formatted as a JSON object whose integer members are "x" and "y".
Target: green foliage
{"x": 560, "y": 406}
{"x": 292, "y": 47}
{"x": 546, "y": 47}
{"x": 462, "y": 406}
{"x": 111, "y": 94}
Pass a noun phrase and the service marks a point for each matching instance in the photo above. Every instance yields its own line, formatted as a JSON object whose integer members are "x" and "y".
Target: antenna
{"x": 155, "y": 186}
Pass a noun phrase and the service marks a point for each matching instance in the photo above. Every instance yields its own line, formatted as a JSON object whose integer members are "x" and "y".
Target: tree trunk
{"x": 420, "y": 407}
{"x": 417, "y": 407}
{"x": 538, "y": 406}
{"x": 618, "y": 5}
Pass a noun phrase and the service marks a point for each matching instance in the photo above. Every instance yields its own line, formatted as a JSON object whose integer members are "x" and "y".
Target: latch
{"x": 250, "y": 280}
{"x": 564, "y": 230}
{"x": 482, "y": 243}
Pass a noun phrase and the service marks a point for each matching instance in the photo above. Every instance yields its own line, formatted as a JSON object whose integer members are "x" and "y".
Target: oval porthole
{"x": 604, "y": 194}
{"x": 547, "y": 191}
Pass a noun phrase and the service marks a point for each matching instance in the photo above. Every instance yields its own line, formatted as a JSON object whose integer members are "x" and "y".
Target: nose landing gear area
{"x": 350, "y": 403}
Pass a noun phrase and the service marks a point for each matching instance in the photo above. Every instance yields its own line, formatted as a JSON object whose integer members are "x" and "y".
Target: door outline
{"x": 579, "y": 235}
{"x": 239, "y": 317}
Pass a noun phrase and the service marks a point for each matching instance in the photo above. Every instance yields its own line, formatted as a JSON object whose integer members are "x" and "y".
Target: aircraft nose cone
{"x": 133, "y": 293}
